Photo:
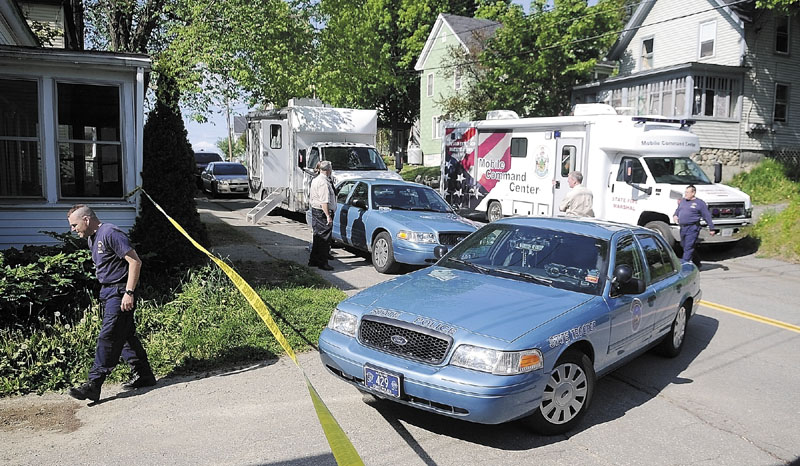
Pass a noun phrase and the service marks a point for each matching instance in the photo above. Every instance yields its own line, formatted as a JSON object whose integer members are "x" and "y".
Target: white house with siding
{"x": 731, "y": 67}
{"x": 70, "y": 132}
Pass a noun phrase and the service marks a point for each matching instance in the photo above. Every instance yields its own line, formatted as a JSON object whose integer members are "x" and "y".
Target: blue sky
{"x": 204, "y": 136}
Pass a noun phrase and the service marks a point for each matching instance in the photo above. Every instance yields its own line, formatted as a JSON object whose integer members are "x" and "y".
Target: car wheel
{"x": 567, "y": 395}
{"x": 494, "y": 212}
{"x": 663, "y": 229}
{"x": 383, "y": 253}
{"x": 672, "y": 344}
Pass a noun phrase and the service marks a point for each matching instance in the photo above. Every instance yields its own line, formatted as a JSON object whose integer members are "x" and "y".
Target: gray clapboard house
{"x": 70, "y": 132}
{"x": 728, "y": 65}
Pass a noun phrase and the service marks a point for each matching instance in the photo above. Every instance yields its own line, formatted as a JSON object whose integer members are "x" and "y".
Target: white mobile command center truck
{"x": 284, "y": 146}
{"x": 636, "y": 167}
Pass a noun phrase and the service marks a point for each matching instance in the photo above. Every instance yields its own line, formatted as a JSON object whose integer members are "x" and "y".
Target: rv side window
{"x": 638, "y": 175}
{"x": 567, "y": 159}
{"x": 313, "y": 159}
{"x": 275, "y": 139}
{"x": 519, "y": 147}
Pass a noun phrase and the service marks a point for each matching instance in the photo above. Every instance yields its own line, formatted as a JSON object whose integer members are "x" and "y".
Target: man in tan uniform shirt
{"x": 579, "y": 199}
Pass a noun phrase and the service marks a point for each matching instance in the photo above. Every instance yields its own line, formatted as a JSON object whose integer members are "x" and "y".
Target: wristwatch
{"x": 129, "y": 292}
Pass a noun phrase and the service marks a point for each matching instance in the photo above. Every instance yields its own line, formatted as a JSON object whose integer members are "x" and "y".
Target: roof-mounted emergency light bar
{"x": 682, "y": 122}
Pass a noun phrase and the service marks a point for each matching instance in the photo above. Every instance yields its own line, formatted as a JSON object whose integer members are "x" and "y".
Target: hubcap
{"x": 494, "y": 212}
{"x": 565, "y": 394}
{"x": 680, "y": 328}
{"x": 381, "y": 252}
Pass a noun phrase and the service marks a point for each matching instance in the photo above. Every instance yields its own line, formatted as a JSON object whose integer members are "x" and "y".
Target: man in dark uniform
{"x": 688, "y": 214}
{"x": 117, "y": 267}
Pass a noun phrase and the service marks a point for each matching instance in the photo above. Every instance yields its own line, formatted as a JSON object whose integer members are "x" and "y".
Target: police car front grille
{"x": 727, "y": 210}
{"x": 387, "y": 335}
{"x": 452, "y": 238}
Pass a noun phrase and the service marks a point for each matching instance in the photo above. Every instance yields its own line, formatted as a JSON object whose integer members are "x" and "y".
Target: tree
{"x": 239, "y": 146}
{"x": 167, "y": 176}
{"x": 532, "y": 62}
{"x": 367, "y": 51}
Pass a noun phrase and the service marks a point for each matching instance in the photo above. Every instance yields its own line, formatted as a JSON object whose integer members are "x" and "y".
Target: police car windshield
{"x": 407, "y": 197}
{"x": 354, "y": 158}
{"x": 535, "y": 255}
{"x": 676, "y": 170}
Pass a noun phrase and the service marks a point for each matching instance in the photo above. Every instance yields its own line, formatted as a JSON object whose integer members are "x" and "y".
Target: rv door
{"x": 569, "y": 157}
{"x": 276, "y": 161}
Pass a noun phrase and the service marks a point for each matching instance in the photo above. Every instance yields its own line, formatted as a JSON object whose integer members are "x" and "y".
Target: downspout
{"x": 138, "y": 118}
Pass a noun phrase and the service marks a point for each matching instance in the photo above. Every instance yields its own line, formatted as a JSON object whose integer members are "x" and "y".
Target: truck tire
{"x": 663, "y": 229}
{"x": 494, "y": 211}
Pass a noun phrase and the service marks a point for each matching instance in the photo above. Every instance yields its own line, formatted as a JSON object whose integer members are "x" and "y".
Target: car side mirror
{"x": 623, "y": 281}
{"x": 439, "y": 251}
{"x": 360, "y": 203}
{"x": 627, "y": 171}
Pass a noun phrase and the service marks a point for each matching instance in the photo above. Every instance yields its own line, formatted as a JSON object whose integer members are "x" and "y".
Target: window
{"x": 654, "y": 98}
{"x": 715, "y": 96}
{"x": 628, "y": 254}
{"x": 275, "y": 139}
{"x": 519, "y": 147}
{"x": 567, "y": 159}
{"x": 436, "y": 129}
{"x": 430, "y": 84}
{"x": 646, "y": 62}
{"x": 781, "y": 112}
{"x": 456, "y": 79}
{"x": 658, "y": 259}
{"x": 344, "y": 191}
{"x": 638, "y": 176}
{"x": 313, "y": 158}
{"x": 708, "y": 33}
{"x": 360, "y": 194}
{"x": 20, "y": 158}
{"x": 782, "y": 34}
{"x": 89, "y": 141}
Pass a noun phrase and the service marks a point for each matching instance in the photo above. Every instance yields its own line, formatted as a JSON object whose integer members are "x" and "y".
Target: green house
{"x": 439, "y": 80}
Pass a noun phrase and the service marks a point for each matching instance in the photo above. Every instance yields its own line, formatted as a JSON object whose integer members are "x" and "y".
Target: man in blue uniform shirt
{"x": 688, "y": 214}
{"x": 117, "y": 267}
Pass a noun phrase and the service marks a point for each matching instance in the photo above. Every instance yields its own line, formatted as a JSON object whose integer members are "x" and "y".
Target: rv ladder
{"x": 266, "y": 206}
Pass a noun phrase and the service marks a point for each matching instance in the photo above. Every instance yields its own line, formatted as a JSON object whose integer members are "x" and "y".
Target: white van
{"x": 284, "y": 146}
{"x": 512, "y": 166}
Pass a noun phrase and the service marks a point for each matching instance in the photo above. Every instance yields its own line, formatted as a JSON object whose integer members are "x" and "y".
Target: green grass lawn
{"x": 778, "y": 234}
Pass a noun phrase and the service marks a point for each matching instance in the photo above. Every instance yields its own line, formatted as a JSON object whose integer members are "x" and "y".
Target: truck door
{"x": 276, "y": 162}
{"x": 624, "y": 205}
{"x": 569, "y": 157}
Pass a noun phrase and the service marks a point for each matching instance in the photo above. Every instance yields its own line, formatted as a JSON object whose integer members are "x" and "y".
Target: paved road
{"x": 731, "y": 398}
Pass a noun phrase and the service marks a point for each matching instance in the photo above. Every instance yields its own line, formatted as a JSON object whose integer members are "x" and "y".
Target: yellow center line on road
{"x": 756, "y": 317}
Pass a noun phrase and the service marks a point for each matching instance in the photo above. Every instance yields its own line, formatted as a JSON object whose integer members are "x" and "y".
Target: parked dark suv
{"x": 201, "y": 161}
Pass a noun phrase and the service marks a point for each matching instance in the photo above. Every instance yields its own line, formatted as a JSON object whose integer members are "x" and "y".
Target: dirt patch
{"x": 58, "y": 416}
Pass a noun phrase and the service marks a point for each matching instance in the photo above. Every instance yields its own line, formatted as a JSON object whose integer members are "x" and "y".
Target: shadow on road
{"x": 633, "y": 385}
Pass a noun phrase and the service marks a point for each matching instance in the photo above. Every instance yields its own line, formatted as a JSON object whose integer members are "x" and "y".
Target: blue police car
{"x": 397, "y": 221}
{"x": 518, "y": 320}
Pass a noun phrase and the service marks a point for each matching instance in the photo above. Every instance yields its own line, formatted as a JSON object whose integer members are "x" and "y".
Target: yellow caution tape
{"x": 341, "y": 447}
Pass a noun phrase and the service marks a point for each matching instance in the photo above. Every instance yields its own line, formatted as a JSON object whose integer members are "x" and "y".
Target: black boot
{"x": 139, "y": 381}
{"x": 90, "y": 390}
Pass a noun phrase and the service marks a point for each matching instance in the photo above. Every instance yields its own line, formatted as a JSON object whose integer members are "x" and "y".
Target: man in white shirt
{"x": 323, "y": 202}
{"x": 579, "y": 199}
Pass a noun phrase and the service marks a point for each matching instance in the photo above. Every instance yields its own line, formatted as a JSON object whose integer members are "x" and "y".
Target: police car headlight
{"x": 416, "y": 236}
{"x": 343, "y": 322}
{"x": 497, "y": 362}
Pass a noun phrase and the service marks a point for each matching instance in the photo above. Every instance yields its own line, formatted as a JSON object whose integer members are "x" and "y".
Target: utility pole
{"x": 230, "y": 134}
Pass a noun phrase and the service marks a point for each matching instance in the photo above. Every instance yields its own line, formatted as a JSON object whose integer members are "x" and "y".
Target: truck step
{"x": 267, "y": 205}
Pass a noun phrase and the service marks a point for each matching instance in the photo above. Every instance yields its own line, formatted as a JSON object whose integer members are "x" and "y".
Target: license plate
{"x": 381, "y": 381}
{"x": 727, "y": 232}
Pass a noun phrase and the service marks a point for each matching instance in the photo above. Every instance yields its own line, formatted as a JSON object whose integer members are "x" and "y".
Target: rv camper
{"x": 284, "y": 146}
{"x": 511, "y": 166}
